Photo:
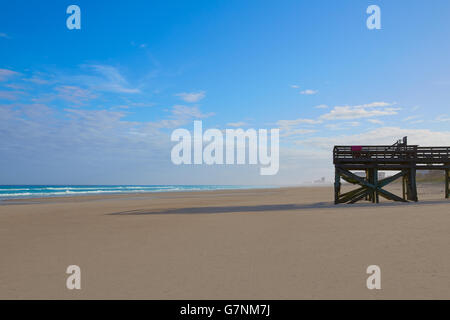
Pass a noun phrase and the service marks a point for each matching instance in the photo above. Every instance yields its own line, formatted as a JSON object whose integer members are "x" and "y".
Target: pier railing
{"x": 391, "y": 154}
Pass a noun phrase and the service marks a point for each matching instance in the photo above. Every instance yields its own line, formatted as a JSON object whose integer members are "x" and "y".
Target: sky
{"x": 98, "y": 105}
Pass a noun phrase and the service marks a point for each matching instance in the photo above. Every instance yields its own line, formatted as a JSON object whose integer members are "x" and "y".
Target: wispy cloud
{"x": 442, "y": 118}
{"x": 191, "y": 96}
{"x": 375, "y": 121}
{"x": 346, "y": 113}
{"x": 293, "y": 132}
{"x": 14, "y": 86}
{"x": 410, "y": 118}
{"x": 416, "y": 119}
{"x": 4, "y": 35}
{"x": 306, "y": 91}
{"x": 74, "y": 94}
{"x": 290, "y": 123}
{"x": 290, "y": 127}
{"x": 141, "y": 104}
{"x": 179, "y": 116}
{"x": 36, "y": 80}
{"x": 110, "y": 80}
{"x": 189, "y": 112}
{"x": 140, "y": 45}
{"x": 93, "y": 134}
{"x": 8, "y": 95}
{"x": 236, "y": 124}
{"x": 309, "y": 92}
{"x": 339, "y": 114}
{"x": 342, "y": 126}
{"x": 375, "y": 109}
{"x": 6, "y": 74}
{"x": 96, "y": 77}
{"x": 369, "y": 110}
{"x": 383, "y": 135}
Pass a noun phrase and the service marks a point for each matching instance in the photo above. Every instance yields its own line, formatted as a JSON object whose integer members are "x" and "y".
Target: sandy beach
{"x": 286, "y": 243}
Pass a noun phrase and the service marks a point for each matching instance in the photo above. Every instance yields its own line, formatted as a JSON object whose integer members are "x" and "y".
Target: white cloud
{"x": 442, "y": 118}
{"x": 180, "y": 115}
{"x": 369, "y": 110}
{"x": 236, "y": 124}
{"x": 142, "y": 104}
{"x": 287, "y": 127}
{"x": 37, "y": 80}
{"x": 191, "y": 112}
{"x": 374, "y": 105}
{"x": 5, "y": 74}
{"x": 286, "y": 132}
{"x": 375, "y": 121}
{"x": 8, "y": 95}
{"x": 101, "y": 78}
{"x": 342, "y": 126}
{"x": 410, "y": 118}
{"x": 375, "y": 109}
{"x": 95, "y": 135}
{"x": 4, "y": 35}
{"x": 140, "y": 45}
{"x": 309, "y": 92}
{"x": 295, "y": 86}
{"x": 321, "y": 106}
{"x": 290, "y": 123}
{"x": 191, "y": 96}
{"x": 14, "y": 86}
{"x": 74, "y": 94}
{"x": 381, "y": 136}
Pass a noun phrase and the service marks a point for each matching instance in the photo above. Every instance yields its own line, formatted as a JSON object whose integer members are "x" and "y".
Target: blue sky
{"x": 97, "y": 105}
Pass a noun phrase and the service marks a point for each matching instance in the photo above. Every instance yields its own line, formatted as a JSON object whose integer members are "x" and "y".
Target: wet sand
{"x": 286, "y": 243}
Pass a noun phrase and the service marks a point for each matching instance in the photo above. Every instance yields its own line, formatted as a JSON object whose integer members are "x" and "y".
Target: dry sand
{"x": 287, "y": 243}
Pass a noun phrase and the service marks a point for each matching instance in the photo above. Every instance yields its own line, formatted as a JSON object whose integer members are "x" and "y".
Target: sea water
{"x": 38, "y": 191}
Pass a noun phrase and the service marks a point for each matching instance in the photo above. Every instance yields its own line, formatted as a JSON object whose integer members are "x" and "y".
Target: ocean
{"x": 38, "y": 191}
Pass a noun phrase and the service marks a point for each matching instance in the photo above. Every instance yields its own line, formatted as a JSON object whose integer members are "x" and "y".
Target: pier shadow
{"x": 276, "y": 207}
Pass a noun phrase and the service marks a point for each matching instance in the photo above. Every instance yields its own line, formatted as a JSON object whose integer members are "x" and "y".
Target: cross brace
{"x": 371, "y": 188}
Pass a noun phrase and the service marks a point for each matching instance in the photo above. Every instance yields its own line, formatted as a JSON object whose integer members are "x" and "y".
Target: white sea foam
{"x": 8, "y": 192}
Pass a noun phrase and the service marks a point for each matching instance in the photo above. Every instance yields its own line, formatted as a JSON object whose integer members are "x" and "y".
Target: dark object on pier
{"x": 400, "y": 156}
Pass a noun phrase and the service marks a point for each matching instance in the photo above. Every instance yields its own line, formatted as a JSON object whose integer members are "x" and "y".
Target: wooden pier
{"x": 401, "y": 157}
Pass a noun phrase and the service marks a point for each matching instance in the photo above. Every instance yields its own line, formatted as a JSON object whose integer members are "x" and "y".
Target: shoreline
{"x": 124, "y": 193}
{"x": 139, "y": 195}
{"x": 121, "y": 195}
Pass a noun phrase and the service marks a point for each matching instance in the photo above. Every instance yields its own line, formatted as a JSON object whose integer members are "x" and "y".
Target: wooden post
{"x": 367, "y": 198}
{"x": 375, "y": 183}
{"x": 404, "y": 182}
{"x": 371, "y": 181}
{"x": 413, "y": 184}
{"x": 409, "y": 191}
{"x": 447, "y": 182}
{"x": 337, "y": 186}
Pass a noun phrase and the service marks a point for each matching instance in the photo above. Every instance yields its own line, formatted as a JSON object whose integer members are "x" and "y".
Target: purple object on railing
{"x": 356, "y": 148}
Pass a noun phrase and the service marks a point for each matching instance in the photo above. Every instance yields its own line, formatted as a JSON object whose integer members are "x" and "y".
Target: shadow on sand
{"x": 274, "y": 207}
